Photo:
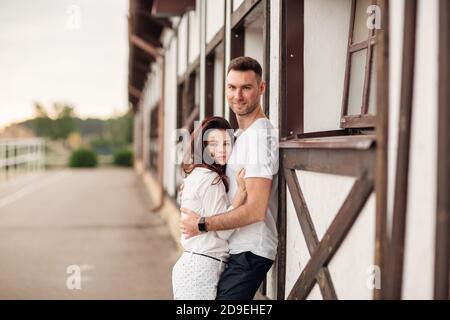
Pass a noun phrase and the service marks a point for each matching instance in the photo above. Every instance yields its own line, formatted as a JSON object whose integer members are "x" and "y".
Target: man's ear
{"x": 262, "y": 86}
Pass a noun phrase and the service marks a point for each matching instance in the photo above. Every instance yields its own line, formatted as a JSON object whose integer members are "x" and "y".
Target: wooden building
{"x": 359, "y": 90}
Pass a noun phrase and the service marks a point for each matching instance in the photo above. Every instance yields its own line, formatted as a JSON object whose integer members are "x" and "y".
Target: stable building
{"x": 359, "y": 92}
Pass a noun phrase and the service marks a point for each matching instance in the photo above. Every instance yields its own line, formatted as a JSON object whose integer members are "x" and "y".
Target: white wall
{"x": 325, "y": 50}
{"x": 421, "y": 212}
{"x": 170, "y": 116}
{"x": 218, "y": 81}
{"x": 215, "y": 15}
{"x": 275, "y": 7}
{"x": 356, "y": 253}
{"x": 274, "y": 52}
{"x": 182, "y": 45}
{"x": 253, "y": 40}
{"x": 236, "y": 4}
{"x": 194, "y": 35}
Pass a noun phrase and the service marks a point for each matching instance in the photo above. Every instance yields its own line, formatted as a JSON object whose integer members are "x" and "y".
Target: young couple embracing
{"x": 229, "y": 197}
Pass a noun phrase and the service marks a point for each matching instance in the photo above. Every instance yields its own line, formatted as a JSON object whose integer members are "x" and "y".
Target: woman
{"x": 196, "y": 273}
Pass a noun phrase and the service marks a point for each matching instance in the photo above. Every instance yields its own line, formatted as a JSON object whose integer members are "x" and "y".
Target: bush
{"x": 83, "y": 158}
{"x": 123, "y": 157}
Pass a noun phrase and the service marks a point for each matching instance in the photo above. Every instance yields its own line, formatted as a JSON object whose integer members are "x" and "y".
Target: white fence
{"x": 20, "y": 156}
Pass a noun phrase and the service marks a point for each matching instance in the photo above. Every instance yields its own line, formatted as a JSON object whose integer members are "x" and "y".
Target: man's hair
{"x": 246, "y": 64}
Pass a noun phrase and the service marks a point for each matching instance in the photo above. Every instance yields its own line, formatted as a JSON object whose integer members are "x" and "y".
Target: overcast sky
{"x": 51, "y": 53}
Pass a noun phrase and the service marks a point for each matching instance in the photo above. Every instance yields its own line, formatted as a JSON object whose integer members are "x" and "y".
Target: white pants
{"x": 195, "y": 277}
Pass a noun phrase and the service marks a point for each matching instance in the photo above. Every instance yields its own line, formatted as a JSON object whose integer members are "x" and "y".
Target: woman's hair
{"x": 196, "y": 155}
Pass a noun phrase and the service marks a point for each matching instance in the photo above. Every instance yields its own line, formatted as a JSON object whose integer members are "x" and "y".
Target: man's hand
{"x": 189, "y": 223}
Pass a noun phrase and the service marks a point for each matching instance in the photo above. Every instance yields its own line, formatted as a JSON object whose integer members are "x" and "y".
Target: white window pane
{"x": 360, "y": 31}
{"x": 355, "y": 94}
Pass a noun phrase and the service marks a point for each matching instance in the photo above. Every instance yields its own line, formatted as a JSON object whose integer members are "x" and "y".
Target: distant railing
{"x": 20, "y": 156}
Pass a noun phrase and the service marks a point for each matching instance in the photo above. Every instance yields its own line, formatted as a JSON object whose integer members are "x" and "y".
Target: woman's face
{"x": 219, "y": 145}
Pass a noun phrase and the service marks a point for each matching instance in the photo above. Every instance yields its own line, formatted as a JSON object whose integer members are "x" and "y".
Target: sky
{"x": 68, "y": 51}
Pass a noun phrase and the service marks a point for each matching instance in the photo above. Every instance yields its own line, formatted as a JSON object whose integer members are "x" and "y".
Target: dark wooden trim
{"x": 366, "y": 87}
{"x": 382, "y": 136}
{"x": 292, "y": 70}
{"x": 358, "y": 121}
{"x": 331, "y": 241}
{"x": 309, "y": 233}
{"x": 180, "y": 90}
{"x": 134, "y": 92}
{"x": 348, "y": 61}
{"x": 358, "y": 46}
{"x": 153, "y": 51}
{"x": 325, "y": 134}
{"x": 442, "y": 253}
{"x": 192, "y": 67}
{"x": 237, "y": 48}
{"x": 238, "y": 16}
{"x": 209, "y": 85}
{"x": 188, "y": 125}
{"x": 163, "y": 8}
{"x": 281, "y": 228}
{"x": 347, "y": 162}
{"x": 395, "y": 273}
{"x": 215, "y": 41}
{"x": 361, "y": 120}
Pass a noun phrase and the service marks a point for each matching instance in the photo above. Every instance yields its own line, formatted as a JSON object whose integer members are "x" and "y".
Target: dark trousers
{"x": 243, "y": 276}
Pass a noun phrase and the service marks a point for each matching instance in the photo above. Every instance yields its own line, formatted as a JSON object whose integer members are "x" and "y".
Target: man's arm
{"x": 253, "y": 210}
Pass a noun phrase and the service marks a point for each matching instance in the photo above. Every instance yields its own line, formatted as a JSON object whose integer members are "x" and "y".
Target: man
{"x": 253, "y": 244}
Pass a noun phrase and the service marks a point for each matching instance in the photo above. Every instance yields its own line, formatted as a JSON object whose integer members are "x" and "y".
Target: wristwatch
{"x": 202, "y": 225}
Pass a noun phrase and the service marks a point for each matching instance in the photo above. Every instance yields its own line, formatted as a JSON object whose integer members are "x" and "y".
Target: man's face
{"x": 244, "y": 91}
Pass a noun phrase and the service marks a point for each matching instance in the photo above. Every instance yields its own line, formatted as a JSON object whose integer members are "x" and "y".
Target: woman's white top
{"x": 204, "y": 195}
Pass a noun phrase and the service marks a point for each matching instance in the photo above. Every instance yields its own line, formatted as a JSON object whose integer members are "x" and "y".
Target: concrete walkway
{"x": 96, "y": 220}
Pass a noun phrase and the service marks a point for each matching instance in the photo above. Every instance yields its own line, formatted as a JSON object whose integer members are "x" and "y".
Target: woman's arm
{"x": 241, "y": 193}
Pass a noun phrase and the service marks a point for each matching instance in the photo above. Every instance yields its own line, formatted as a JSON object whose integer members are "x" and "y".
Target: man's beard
{"x": 249, "y": 110}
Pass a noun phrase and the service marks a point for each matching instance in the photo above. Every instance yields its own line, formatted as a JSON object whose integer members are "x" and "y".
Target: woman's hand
{"x": 240, "y": 179}
{"x": 241, "y": 193}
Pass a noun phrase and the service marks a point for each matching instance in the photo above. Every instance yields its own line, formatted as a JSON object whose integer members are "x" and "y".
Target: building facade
{"x": 359, "y": 92}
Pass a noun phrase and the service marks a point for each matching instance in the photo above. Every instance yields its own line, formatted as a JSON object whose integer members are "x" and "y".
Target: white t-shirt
{"x": 203, "y": 195}
{"x": 256, "y": 149}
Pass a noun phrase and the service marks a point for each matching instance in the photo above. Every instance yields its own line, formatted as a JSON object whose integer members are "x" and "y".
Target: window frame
{"x": 363, "y": 119}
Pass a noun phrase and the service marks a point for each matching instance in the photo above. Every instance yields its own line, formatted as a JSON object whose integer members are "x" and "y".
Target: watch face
{"x": 202, "y": 225}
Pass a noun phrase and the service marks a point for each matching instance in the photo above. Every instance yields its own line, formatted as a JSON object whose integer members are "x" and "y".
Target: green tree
{"x": 65, "y": 120}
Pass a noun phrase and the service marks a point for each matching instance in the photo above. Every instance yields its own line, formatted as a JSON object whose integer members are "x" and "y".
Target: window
{"x": 358, "y": 102}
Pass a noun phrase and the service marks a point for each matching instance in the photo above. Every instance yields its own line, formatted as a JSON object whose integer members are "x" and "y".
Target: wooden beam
{"x": 331, "y": 241}
{"x": 395, "y": 272}
{"x": 309, "y": 233}
{"x": 358, "y": 121}
{"x": 134, "y": 92}
{"x": 240, "y": 13}
{"x": 281, "y": 228}
{"x": 442, "y": 253}
{"x": 164, "y": 8}
{"x": 292, "y": 72}
{"x": 354, "y": 163}
{"x": 382, "y": 136}
{"x": 145, "y": 46}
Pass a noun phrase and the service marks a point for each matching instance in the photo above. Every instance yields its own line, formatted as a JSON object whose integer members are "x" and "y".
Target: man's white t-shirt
{"x": 256, "y": 149}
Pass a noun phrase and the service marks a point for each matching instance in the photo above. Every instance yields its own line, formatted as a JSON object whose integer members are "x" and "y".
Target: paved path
{"x": 95, "y": 219}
